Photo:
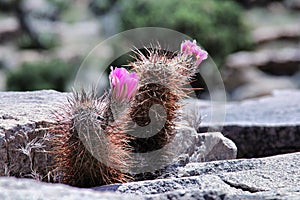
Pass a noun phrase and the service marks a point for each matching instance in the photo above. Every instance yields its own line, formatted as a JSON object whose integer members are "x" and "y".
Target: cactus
{"x": 92, "y": 142}
{"x": 162, "y": 81}
{"x": 90, "y": 149}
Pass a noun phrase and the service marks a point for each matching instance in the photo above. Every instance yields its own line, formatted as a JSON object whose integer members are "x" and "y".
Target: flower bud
{"x": 124, "y": 84}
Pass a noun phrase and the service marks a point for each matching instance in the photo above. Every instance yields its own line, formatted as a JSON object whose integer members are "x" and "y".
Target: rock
{"x": 161, "y": 186}
{"x": 2, "y": 80}
{"x": 187, "y": 146}
{"x": 254, "y": 175}
{"x": 31, "y": 56}
{"x": 85, "y": 53}
{"x": 292, "y": 4}
{"x": 26, "y": 108}
{"x": 259, "y": 127}
{"x": 212, "y": 146}
{"x": 25, "y": 117}
{"x": 224, "y": 148}
{"x": 40, "y": 9}
{"x": 234, "y": 78}
{"x": 283, "y": 61}
{"x": 275, "y": 172}
{"x": 9, "y": 57}
{"x": 267, "y": 34}
{"x": 201, "y": 147}
{"x": 262, "y": 86}
{"x": 9, "y": 29}
{"x": 71, "y": 36}
{"x": 274, "y": 177}
{"x": 22, "y": 189}
{"x": 296, "y": 79}
{"x": 250, "y": 82}
{"x": 271, "y": 177}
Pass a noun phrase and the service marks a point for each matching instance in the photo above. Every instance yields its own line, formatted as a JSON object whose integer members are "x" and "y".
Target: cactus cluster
{"x": 163, "y": 79}
{"x": 89, "y": 149}
{"x": 95, "y": 137}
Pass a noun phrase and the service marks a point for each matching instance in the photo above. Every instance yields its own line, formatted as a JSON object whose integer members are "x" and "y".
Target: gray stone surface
{"x": 287, "y": 31}
{"x": 250, "y": 82}
{"x": 293, "y": 4}
{"x": 256, "y": 174}
{"x": 155, "y": 187}
{"x": 27, "y": 108}
{"x": 283, "y": 61}
{"x": 212, "y": 146}
{"x": 25, "y": 189}
{"x": 187, "y": 146}
{"x": 259, "y": 127}
{"x": 9, "y": 29}
{"x": 253, "y": 83}
{"x": 201, "y": 147}
{"x": 274, "y": 177}
{"x": 25, "y": 117}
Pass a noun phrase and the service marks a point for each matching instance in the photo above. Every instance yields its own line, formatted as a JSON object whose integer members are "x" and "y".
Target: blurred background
{"x": 254, "y": 43}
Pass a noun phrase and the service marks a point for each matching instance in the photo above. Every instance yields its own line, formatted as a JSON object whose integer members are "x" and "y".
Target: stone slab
{"x": 24, "y": 189}
{"x": 25, "y": 117}
{"x": 274, "y": 177}
{"x": 259, "y": 127}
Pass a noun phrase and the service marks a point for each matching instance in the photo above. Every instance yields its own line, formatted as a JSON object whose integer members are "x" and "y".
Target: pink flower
{"x": 191, "y": 48}
{"x": 188, "y": 46}
{"x": 124, "y": 84}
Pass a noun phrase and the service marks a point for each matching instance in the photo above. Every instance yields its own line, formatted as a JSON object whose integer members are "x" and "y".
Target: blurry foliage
{"x": 54, "y": 74}
{"x": 217, "y": 25}
{"x": 60, "y": 5}
{"x": 31, "y": 38}
{"x": 101, "y": 7}
{"x": 6, "y": 5}
{"x": 250, "y": 3}
{"x": 48, "y": 40}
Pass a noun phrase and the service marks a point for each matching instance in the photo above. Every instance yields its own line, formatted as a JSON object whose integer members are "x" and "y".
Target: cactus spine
{"x": 92, "y": 145}
{"x": 89, "y": 149}
{"x": 162, "y": 81}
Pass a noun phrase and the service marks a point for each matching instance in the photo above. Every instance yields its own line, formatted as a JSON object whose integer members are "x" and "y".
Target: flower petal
{"x": 124, "y": 84}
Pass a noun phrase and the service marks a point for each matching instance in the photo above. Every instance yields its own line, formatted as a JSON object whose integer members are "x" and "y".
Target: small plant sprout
{"x": 189, "y": 48}
{"x": 123, "y": 83}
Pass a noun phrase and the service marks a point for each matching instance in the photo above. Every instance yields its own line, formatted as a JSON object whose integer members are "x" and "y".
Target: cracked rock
{"x": 274, "y": 177}
{"x": 259, "y": 127}
{"x": 23, "y": 189}
{"x": 25, "y": 117}
{"x": 201, "y": 147}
